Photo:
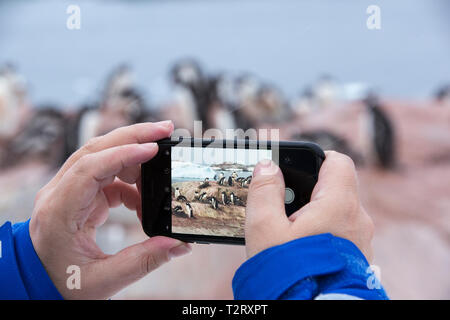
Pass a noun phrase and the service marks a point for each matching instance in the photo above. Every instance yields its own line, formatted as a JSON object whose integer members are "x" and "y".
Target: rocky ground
{"x": 228, "y": 220}
{"x": 409, "y": 205}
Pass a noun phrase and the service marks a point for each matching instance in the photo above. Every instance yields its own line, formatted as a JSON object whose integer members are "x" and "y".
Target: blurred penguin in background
{"x": 325, "y": 92}
{"x": 328, "y": 140}
{"x": 246, "y": 90}
{"x": 442, "y": 95}
{"x": 378, "y": 134}
{"x": 303, "y": 104}
{"x": 200, "y": 97}
{"x": 14, "y": 106}
{"x": 258, "y": 103}
{"x": 272, "y": 104}
{"x": 191, "y": 93}
{"x": 43, "y": 138}
{"x": 121, "y": 105}
{"x": 25, "y": 133}
{"x": 220, "y": 115}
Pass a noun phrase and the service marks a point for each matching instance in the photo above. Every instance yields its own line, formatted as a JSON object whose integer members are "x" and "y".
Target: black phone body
{"x": 195, "y": 190}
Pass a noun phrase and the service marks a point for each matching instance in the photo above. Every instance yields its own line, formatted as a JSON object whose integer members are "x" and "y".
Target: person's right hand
{"x": 334, "y": 208}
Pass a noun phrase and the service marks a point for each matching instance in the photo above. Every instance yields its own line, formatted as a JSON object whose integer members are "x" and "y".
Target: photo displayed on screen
{"x": 209, "y": 189}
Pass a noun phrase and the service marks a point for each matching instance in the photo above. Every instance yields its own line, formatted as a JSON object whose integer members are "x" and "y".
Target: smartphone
{"x": 196, "y": 190}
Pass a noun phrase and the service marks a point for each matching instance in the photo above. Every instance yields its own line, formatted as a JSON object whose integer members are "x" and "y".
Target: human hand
{"x": 70, "y": 208}
{"x": 334, "y": 208}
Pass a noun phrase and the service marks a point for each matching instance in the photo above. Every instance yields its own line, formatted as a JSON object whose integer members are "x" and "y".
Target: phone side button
{"x": 201, "y": 242}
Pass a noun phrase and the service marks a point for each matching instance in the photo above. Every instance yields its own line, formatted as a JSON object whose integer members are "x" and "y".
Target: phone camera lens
{"x": 287, "y": 160}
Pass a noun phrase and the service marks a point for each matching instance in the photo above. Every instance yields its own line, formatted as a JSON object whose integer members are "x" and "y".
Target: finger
{"x": 337, "y": 181}
{"x": 130, "y": 175}
{"x": 122, "y": 193}
{"x": 93, "y": 172}
{"x": 265, "y": 213}
{"x": 131, "y": 264}
{"x": 112, "y": 196}
{"x": 137, "y": 133}
{"x": 337, "y": 176}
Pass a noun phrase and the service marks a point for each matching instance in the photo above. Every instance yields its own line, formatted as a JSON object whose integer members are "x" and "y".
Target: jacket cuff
{"x": 270, "y": 273}
{"x": 34, "y": 276}
{"x": 11, "y": 284}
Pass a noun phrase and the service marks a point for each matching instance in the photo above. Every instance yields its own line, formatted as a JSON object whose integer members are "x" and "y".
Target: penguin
{"x": 120, "y": 79}
{"x": 230, "y": 181}
{"x": 222, "y": 181}
{"x": 135, "y": 107}
{"x": 181, "y": 198}
{"x": 330, "y": 141}
{"x": 188, "y": 74}
{"x": 13, "y": 101}
{"x": 304, "y": 104}
{"x": 43, "y": 136}
{"x": 177, "y": 192}
{"x": 234, "y": 175}
{"x": 219, "y": 176}
{"x": 246, "y": 91}
{"x": 196, "y": 195}
{"x": 247, "y": 181}
{"x": 442, "y": 95}
{"x": 177, "y": 209}
{"x": 205, "y": 183}
{"x": 381, "y": 133}
{"x": 240, "y": 181}
{"x": 202, "y": 197}
{"x": 189, "y": 210}
{"x": 224, "y": 198}
{"x": 233, "y": 198}
{"x": 214, "y": 203}
{"x": 325, "y": 92}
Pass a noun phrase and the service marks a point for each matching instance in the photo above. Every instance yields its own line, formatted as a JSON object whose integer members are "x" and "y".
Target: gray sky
{"x": 289, "y": 43}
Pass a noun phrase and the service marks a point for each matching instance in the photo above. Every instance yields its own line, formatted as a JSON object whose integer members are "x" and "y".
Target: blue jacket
{"x": 300, "y": 269}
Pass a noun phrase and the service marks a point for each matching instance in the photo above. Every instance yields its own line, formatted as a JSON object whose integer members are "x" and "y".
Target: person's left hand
{"x": 70, "y": 208}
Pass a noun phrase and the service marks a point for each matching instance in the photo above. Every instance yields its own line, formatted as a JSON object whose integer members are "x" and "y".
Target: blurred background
{"x": 312, "y": 69}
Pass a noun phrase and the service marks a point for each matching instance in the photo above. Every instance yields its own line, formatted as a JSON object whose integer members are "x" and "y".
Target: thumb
{"x": 133, "y": 263}
{"x": 265, "y": 213}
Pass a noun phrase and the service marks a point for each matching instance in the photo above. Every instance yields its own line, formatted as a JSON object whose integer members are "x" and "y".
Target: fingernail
{"x": 166, "y": 124}
{"x": 262, "y": 167}
{"x": 148, "y": 146}
{"x": 180, "y": 250}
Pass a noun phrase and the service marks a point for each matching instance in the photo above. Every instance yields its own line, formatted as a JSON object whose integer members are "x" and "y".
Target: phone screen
{"x": 210, "y": 187}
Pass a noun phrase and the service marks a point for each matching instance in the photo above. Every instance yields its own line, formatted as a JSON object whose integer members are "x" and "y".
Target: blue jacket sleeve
{"x": 22, "y": 275}
{"x": 306, "y": 268}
